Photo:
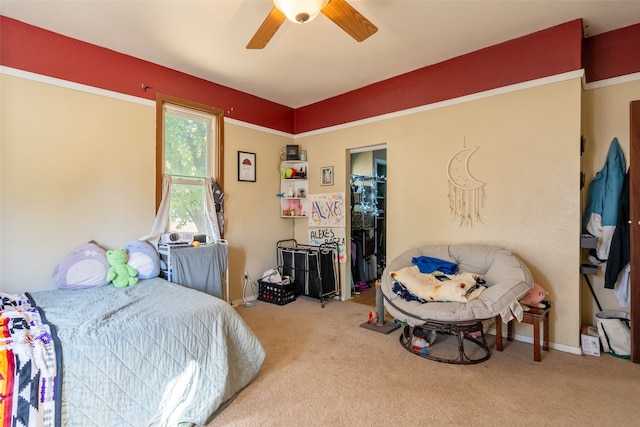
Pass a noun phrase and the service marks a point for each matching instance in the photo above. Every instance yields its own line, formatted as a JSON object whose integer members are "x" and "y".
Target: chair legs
{"x": 463, "y": 331}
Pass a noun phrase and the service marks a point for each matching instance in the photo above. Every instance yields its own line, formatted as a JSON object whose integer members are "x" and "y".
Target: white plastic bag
{"x": 271, "y": 276}
{"x": 614, "y": 328}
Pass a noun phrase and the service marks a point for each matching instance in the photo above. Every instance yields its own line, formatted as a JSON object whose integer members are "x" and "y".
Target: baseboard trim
{"x": 529, "y": 340}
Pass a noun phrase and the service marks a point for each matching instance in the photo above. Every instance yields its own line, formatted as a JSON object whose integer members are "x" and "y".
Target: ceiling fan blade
{"x": 349, "y": 19}
{"x": 266, "y": 31}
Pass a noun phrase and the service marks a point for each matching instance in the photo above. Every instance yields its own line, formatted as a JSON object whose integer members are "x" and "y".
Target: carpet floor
{"x": 322, "y": 368}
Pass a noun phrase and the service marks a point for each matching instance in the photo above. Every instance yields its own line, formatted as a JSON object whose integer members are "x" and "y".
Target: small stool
{"x": 535, "y": 316}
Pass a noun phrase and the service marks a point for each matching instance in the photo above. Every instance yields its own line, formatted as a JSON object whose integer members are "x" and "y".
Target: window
{"x": 189, "y": 151}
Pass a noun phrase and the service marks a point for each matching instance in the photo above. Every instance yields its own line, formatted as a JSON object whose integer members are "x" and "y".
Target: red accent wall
{"x": 544, "y": 53}
{"x": 541, "y": 54}
{"x": 40, "y": 51}
{"x": 612, "y": 54}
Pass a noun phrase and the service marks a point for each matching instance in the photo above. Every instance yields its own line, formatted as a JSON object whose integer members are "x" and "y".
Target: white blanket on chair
{"x": 460, "y": 287}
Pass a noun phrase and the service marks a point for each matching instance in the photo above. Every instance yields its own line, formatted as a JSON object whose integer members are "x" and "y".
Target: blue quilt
{"x": 153, "y": 354}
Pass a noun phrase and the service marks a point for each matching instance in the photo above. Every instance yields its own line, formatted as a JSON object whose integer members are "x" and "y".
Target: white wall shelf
{"x": 294, "y": 189}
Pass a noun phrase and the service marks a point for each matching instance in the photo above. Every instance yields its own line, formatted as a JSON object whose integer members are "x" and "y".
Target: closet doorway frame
{"x": 349, "y": 279}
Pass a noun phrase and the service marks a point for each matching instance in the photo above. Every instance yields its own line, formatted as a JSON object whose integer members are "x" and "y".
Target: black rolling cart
{"x": 314, "y": 270}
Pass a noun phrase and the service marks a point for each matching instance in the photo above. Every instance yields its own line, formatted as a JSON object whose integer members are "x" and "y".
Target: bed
{"x": 502, "y": 279}
{"x": 153, "y": 354}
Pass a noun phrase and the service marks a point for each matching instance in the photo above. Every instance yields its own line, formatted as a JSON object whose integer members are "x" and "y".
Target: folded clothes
{"x": 429, "y": 265}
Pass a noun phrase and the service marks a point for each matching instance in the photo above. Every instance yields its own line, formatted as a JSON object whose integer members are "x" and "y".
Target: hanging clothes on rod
{"x": 603, "y": 198}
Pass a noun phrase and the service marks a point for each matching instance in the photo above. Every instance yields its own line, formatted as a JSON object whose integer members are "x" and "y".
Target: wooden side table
{"x": 535, "y": 317}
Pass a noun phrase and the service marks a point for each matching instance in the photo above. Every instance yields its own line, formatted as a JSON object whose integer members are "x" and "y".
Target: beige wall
{"x": 252, "y": 210}
{"x": 79, "y": 166}
{"x": 605, "y": 115}
{"x": 75, "y": 167}
{"x": 529, "y": 158}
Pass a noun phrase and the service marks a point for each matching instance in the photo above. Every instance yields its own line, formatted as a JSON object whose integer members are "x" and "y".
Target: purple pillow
{"x": 84, "y": 267}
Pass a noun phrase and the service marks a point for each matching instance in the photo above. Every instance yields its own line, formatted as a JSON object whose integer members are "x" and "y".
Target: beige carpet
{"x": 323, "y": 369}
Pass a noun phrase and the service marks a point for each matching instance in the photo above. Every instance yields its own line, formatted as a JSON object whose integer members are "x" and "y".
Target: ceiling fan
{"x": 301, "y": 11}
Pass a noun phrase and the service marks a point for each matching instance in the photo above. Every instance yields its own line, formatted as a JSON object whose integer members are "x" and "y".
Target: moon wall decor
{"x": 466, "y": 194}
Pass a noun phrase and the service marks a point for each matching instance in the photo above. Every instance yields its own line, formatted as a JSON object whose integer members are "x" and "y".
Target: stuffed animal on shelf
{"x": 534, "y": 297}
{"x": 120, "y": 274}
{"x": 295, "y": 207}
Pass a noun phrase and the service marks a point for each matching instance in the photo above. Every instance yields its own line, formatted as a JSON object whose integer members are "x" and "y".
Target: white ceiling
{"x": 307, "y": 63}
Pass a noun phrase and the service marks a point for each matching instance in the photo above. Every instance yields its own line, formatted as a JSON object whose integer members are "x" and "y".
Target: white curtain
{"x": 161, "y": 223}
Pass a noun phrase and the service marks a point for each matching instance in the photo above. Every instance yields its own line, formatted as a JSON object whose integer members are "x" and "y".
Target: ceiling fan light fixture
{"x": 300, "y": 11}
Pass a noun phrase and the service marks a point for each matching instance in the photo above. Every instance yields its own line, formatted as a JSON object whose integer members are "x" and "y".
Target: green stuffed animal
{"x": 120, "y": 273}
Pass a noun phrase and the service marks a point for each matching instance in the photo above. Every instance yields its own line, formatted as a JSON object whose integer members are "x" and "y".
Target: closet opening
{"x": 368, "y": 187}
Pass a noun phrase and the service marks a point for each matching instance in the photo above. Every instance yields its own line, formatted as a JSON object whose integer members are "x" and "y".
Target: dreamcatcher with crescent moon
{"x": 466, "y": 194}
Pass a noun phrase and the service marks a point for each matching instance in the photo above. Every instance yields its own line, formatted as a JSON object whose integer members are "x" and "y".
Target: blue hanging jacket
{"x": 603, "y": 199}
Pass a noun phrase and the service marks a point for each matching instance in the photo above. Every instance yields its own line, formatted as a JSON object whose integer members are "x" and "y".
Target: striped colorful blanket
{"x": 30, "y": 365}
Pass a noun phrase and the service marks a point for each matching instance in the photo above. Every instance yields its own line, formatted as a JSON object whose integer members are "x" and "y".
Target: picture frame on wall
{"x": 246, "y": 166}
{"x": 326, "y": 175}
{"x": 292, "y": 152}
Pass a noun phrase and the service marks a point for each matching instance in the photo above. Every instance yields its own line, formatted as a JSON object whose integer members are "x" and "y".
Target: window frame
{"x": 218, "y": 137}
